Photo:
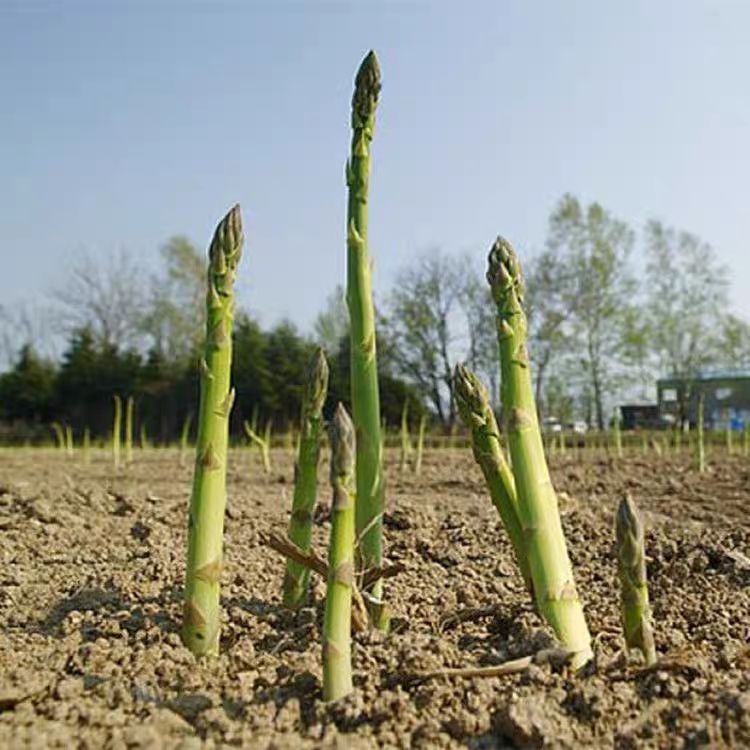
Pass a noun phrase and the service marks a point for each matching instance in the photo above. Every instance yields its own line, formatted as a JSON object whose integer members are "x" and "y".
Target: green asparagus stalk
{"x": 551, "y": 572}
{"x": 57, "y": 428}
{"x": 297, "y": 577}
{"x": 129, "y": 430}
{"x": 473, "y": 406}
{"x": 364, "y": 371}
{"x": 69, "y": 440}
{"x": 406, "y": 448}
{"x": 701, "y": 457}
{"x": 420, "y": 445}
{"x": 264, "y": 444}
{"x": 337, "y": 659}
{"x": 116, "y": 430}
{"x": 143, "y": 437}
{"x": 631, "y": 569}
{"x": 200, "y": 630}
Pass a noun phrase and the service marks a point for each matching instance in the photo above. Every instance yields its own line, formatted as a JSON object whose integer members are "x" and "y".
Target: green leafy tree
{"x": 596, "y": 249}
{"x": 686, "y": 300}
{"x": 27, "y": 389}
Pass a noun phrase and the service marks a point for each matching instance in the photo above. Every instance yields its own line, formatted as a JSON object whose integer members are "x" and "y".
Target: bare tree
{"x": 108, "y": 297}
{"x": 437, "y": 314}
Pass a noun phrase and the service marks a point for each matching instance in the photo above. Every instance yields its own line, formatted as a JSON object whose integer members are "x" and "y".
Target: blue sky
{"x": 124, "y": 123}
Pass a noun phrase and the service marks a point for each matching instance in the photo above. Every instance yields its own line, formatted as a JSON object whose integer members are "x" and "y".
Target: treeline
{"x": 268, "y": 374}
{"x": 610, "y": 311}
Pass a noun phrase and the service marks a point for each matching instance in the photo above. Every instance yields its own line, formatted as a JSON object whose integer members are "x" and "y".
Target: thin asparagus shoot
{"x": 365, "y": 394}
{"x": 473, "y": 405}
{"x": 116, "y": 430}
{"x": 200, "y": 630}
{"x": 631, "y": 570}
{"x": 297, "y": 577}
{"x": 129, "y": 404}
{"x": 420, "y": 445}
{"x": 337, "y": 659}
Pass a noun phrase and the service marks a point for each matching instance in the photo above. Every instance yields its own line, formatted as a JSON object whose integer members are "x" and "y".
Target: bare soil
{"x": 91, "y": 571}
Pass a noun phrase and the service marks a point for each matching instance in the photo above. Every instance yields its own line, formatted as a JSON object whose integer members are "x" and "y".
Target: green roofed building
{"x": 726, "y": 398}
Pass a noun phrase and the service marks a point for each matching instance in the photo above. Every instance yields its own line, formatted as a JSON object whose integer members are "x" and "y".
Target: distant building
{"x": 726, "y": 398}
{"x": 640, "y": 417}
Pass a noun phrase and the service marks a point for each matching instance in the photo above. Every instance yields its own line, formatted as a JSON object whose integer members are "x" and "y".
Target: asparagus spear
{"x": 631, "y": 568}
{"x": 200, "y": 630}
{"x": 364, "y": 371}
{"x": 554, "y": 587}
{"x": 337, "y": 659}
{"x": 129, "y": 404}
{"x": 473, "y": 406}
{"x": 297, "y": 578}
{"x": 701, "y": 457}
{"x": 116, "y": 430}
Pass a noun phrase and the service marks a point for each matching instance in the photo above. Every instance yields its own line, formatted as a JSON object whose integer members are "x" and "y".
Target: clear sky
{"x": 124, "y": 123}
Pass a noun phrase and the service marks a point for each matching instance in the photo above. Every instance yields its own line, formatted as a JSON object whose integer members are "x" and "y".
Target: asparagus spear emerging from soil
{"x": 116, "y": 430}
{"x": 701, "y": 449}
{"x": 554, "y": 587}
{"x": 364, "y": 371}
{"x": 477, "y": 415}
{"x": 337, "y": 659}
{"x": 200, "y": 630}
{"x": 631, "y": 569}
{"x": 297, "y": 576}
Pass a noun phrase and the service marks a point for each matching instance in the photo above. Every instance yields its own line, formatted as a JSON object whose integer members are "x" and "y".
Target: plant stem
{"x": 554, "y": 586}
{"x": 200, "y": 630}
{"x": 116, "y": 430}
{"x": 297, "y": 577}
{"x": 364, "y": 370}
{"x": 473, "y": 406}
{"x": 337, "y": 659}
{"x": 129, "y": 430}
{"x": 631, "y": 569}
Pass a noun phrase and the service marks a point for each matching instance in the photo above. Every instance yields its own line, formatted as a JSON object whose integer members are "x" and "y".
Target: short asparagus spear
{"x": 297, "y": 577}
{"x": 129, "y": 404}
{"x": 473, "y": 405}
{"x": 554, "y": 586}
{"x": 364, "y": 370}
{"x": 116, "y": 430}
{"x": 200, "y": 630}
{"x": 631, "y": 569}
{"x": 701, "y": 457}
{"x": 337, "y": 659}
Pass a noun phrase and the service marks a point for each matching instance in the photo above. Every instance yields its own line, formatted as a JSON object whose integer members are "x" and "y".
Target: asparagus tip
{"x": 366, "y": 90}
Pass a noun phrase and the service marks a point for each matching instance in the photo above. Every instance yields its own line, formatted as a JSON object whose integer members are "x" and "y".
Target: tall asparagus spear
{"x": 554, "y": 587}
{"x": 297, "y": 577}
{"x": 200, "y": 630}
{"x": 337, "y": 658}
{"x": 477, "y": 415}
{"x": 364, "y": 371}
{"x": 631, "y": 569}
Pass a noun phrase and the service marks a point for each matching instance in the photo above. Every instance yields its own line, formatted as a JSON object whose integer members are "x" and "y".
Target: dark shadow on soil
{"x": 291, "y": 629}
{"x": 110, "y": 601}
